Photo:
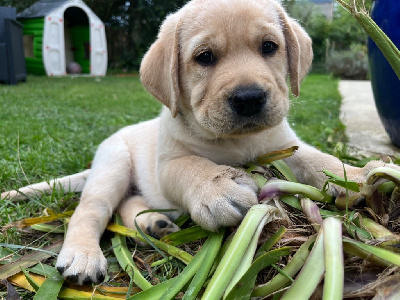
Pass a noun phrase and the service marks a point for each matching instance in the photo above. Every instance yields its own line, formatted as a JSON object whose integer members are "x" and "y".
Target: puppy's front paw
{"x": 82, "y": 264}
{"x": 224, "y": 199}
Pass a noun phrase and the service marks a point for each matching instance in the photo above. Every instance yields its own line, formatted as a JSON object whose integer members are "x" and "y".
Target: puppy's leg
{"x": 308, "y": 163}
{"x": 215, "y": 195}
{"x": 74, "y": 183}
{"x": 153, "y": 223}
{"x": 81, "y": 259}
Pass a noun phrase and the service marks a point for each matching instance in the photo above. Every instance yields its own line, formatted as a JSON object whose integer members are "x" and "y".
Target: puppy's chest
{"x": 230, "y": 154}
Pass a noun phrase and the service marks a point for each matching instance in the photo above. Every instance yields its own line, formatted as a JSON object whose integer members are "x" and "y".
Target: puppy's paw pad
{"x": 161, "y": 227}
{"x": 162, "y": 224}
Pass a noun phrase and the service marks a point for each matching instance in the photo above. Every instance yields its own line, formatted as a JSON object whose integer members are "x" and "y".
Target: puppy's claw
{"x": 73, "y": 279}
{"x": 60, "y": 270}
{"x": 87, "y": 280}
{"x": 100, "y": 277}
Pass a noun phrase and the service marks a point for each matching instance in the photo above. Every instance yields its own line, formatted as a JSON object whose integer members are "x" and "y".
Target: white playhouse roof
{"x": 41, "y": 8}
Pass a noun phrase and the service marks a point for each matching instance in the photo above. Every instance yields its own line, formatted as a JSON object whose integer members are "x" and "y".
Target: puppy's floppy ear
{"x": 159, "y": 70}
{"x": 299, "y": 50}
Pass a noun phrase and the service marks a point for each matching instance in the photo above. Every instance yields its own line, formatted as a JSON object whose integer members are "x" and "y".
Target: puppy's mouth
{"x": 244, "y": 128}
{"x": 250, "y": 127}
{"x": 232, "y": 125}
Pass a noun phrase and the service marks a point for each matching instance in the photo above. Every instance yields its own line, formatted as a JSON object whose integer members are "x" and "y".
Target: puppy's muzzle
{"x": 248, "y": 101}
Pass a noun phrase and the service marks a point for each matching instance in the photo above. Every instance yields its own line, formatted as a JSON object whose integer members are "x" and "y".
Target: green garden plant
{"x": 357, "y": 9}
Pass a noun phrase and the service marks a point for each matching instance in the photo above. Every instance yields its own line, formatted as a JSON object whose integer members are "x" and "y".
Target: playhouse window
{"x": 28, "y": 45}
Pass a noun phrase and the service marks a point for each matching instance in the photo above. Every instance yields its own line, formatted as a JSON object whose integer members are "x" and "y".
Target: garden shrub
{"x": 349, "y": 64}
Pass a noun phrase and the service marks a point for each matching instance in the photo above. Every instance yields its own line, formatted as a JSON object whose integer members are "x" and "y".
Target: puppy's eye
{"x": 205, "y": 58}
{"x": 269, "y": 48}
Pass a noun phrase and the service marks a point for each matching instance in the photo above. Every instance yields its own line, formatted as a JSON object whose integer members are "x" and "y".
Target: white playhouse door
{"x": 98, "y": 45}
{"x": 53, "y": 45}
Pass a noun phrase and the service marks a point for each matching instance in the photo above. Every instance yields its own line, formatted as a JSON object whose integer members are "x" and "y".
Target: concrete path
{"x": 363, "y": 127}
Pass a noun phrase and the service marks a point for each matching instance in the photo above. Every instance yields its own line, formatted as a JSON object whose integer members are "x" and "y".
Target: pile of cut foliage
{"x": 298, "y": 243}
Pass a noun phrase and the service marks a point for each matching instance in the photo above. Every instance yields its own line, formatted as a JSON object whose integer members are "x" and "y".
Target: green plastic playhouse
{"x": 59, "y": 32}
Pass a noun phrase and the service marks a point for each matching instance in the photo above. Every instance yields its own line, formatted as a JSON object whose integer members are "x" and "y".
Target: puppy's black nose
{"x": 248, "y": 101}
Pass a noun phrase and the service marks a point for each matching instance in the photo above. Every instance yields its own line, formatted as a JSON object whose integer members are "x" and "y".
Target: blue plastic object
{"x": 385, "y": 83}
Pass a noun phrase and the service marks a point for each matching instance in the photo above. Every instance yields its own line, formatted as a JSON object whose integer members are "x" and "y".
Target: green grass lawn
{"x": 315, "y": 114}
{"x": 52, "y": 126}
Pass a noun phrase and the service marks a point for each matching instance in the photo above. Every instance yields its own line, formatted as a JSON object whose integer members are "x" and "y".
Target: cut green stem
{"x": 333, "y": 254}
{"x": 276, "y": 187}
{"x": 311, "y": 273}
{"x": 237, "y": 249}
{"x": 311, "y": 211}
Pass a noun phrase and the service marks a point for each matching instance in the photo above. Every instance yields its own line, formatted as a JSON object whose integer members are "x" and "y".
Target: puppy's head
{"x": 223, "y": 65}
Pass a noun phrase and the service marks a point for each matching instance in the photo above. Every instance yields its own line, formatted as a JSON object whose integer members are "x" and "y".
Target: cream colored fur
{"x": 184, "y": 159}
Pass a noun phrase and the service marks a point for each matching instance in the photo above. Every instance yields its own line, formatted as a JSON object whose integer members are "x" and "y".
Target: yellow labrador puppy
{"x": 220, "y": 67}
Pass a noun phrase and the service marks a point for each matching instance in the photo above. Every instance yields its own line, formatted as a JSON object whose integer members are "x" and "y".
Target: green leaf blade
{"x": 125, "y": 260}
{"x": 290, "y": 269}
{"x": 204, "y": 270}
{"x": 51, "y": 287}
{"x": 244, "y": 287}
